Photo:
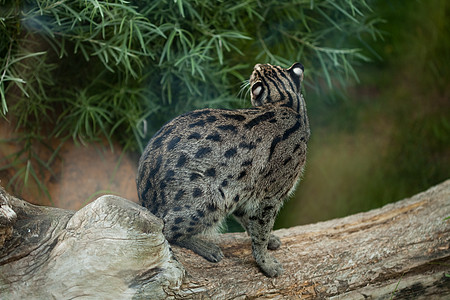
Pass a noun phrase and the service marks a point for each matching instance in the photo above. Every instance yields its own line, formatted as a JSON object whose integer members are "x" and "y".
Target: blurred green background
{"x": 388, "y": 136}
{"x": 376, "y": 85}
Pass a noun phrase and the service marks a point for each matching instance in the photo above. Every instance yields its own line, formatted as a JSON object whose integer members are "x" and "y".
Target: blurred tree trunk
{"x": 114, "y": 249}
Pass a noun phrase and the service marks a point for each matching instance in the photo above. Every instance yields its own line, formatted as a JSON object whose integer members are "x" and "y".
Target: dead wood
{"x": 114, "y": 249}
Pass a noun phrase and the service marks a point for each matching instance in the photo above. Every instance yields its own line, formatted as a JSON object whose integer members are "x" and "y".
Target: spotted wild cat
{"x": 209, "y": 163}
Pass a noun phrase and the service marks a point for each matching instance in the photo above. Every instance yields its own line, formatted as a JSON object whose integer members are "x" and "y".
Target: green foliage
{"x": 118, "y": 69}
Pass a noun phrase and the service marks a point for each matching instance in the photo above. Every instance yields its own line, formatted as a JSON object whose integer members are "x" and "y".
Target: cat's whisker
{"x": 245, "y": 89}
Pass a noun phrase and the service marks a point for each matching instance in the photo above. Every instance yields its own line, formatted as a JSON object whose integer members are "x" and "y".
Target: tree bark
{"x": 114, "y": 249}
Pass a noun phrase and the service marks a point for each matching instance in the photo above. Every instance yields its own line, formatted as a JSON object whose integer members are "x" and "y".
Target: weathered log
{"x": 114, "y": 249}
{"x": 110, "y": 249}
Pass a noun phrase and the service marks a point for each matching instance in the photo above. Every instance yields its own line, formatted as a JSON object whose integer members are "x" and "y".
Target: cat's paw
{"x": 207, "y": 249}
{"x": 213, "y": 253}
{"x": 274, "y": 242}
{"x": 270, "y": 266}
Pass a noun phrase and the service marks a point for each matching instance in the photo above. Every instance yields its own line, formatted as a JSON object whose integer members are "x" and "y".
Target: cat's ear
{"x": 257, "y": 89}
{"x": 296, "y": 70}
{"x": 296, "y": 73}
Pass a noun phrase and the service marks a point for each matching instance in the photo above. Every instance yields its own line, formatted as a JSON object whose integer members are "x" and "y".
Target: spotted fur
{"x": 209, "y": 163}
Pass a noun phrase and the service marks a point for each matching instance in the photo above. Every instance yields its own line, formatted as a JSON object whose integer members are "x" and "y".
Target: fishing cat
{"x": 209, "y": 163}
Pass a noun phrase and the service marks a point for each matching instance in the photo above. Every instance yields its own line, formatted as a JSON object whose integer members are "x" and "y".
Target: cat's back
{"x": 222, "y": 153}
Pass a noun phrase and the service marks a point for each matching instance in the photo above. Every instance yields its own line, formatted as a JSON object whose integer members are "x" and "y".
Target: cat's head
{"x": 272, "y": 84}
